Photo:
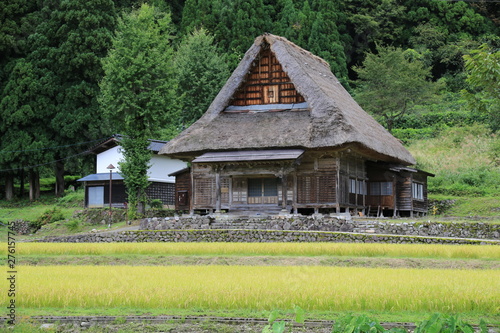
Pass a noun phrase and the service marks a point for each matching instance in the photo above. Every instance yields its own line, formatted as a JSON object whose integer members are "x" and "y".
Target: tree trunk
{"x": 9, "y": 187}
{"x": 34, "y": 178}
{"x": 141, "y": 207}
{"x": 59, "y": 190}
{"x": 21, "y": 186}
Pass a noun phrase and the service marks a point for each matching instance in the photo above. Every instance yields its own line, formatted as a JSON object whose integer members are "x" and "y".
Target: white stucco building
{"x": 108, "y": 153}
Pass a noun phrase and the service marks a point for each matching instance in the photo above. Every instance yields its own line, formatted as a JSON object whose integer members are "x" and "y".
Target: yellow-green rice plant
{"x": 259, "y": 288}
{"x": 250, "y": 249}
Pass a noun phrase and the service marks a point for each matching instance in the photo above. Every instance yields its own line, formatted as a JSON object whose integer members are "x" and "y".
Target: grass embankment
{"x": 466, "y": 161}
{"x": 261, "y": 254}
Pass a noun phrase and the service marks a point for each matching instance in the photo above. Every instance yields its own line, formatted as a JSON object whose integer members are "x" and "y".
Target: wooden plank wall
{"x": 316, "y": 180}
{"x": 266, "y": 83}
{"x": 404, "y": 193}
{"x": 351, "y": 167}
{"x": 183, "y": 185}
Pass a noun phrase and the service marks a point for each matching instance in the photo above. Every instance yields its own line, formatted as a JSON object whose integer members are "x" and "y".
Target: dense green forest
{"x": 420, "y": 67}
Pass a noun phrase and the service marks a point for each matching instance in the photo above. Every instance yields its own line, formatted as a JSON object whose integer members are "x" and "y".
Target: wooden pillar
{"x": 192, "y": 194}
{"x": 217, "y": 191}
{"x": 337, "y": 186}
{"x": 284, "y": 190}
{"x": 395, "y": 194}
{"x": 294, "y": 202}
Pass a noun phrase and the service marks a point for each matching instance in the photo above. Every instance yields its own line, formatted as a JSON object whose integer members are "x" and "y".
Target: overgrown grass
{"x": 464, "y": 159}
{"x": 260, "y": 288}
{"x": 471, "y": 207}
{"x": 268, "y": 249}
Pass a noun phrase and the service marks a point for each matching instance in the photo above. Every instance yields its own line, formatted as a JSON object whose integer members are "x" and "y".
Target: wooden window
{"x": 417, "y": 190}
{"x": 359, "y": 186}
{"x": 381, "y": 188}
{"x": 266, "y": 187}
{"x": 204, "y": 191}
{"x": 239, "y": 190}
{"x": 263, "y": 190}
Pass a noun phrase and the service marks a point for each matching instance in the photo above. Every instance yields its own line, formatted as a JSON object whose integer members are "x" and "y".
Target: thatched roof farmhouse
{"x": 284, "y": 134}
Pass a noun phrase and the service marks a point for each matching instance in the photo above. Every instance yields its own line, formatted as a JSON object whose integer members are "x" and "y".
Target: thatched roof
{"x": 335, "y": 120}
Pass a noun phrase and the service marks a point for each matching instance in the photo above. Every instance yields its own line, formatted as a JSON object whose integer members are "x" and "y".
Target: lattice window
{"x": 327, "y": 186}
{"x": 163, "y": 191}
{"x": 204, "y": 191}
{"x": 307, "y": 189}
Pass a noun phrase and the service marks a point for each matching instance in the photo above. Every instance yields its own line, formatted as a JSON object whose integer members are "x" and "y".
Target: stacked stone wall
{"x": 477, "y": 230}
{"x": 256, "y": 236}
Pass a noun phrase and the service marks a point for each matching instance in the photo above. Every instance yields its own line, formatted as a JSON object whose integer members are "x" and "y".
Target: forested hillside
{"x": 420, "y": 67}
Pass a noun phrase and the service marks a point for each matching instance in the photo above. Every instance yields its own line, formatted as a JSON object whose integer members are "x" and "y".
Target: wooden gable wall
{"x": 266, "y": 83}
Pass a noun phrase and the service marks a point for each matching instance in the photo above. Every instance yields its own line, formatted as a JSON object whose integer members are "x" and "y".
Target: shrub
{"x": 72, "y": 198}
{"x": 51, "y": 216}
{"x": 439, "y": 323}
{"x": 156, "y": 204}
{"x": 73, "y": 224}
{"x": 361, "y": 324}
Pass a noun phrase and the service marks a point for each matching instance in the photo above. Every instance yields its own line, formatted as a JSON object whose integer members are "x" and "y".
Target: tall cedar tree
{"x": 391, "y": 82}
{"x": 137, "y": 90}
{"x": 50, "y": 98}
{"x": 19, "y": 20}
{"x": 81, "y": 33}
{"x": 234, "y": 23}
{"x": 201, "y": 72}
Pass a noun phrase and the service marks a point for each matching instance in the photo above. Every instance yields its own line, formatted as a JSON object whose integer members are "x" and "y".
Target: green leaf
{"x": 299, "y": 314}
{"x": 272, "y": 316}
{"x": 279, "y": 326}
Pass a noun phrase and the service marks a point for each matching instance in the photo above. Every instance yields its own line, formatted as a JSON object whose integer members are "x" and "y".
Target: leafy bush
{"x": 361, "y": 324}
{"x": 439, "y": 323}
{"x": 408, "y": 135}
{"x": 49, "y": 216}
{"x": 72, "y": 199}
{"x": 95, "y": 216}
{"x": 156, "y": 204}
{"x": 73, "y": 224}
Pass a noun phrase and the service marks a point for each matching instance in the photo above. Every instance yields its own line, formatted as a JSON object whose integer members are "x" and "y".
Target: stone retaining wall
{"x": 321, "y": 223}
{"x": 255, "y": 236}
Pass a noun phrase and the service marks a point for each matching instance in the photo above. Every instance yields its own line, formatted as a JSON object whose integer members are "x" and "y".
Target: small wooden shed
{"x": 283, "y": 135}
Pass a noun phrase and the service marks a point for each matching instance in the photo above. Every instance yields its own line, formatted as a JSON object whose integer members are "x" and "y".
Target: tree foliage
{"x": 483, "y": 77}
{"x": 50, "y": 57}
{"x": 137, "y": 91}
{"x": 201, "y": 71}
{"x": 391, "y": 82}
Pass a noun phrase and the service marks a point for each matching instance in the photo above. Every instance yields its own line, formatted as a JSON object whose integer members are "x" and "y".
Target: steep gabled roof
{"x": 333, "y": 118}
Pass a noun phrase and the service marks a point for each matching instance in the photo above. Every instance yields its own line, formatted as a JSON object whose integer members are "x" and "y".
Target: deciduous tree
{"x": 483, "y": 77}
{"x": 137, "y": 91}
{"x": 391, "y": 82}
{"x": 201, "y": 71}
